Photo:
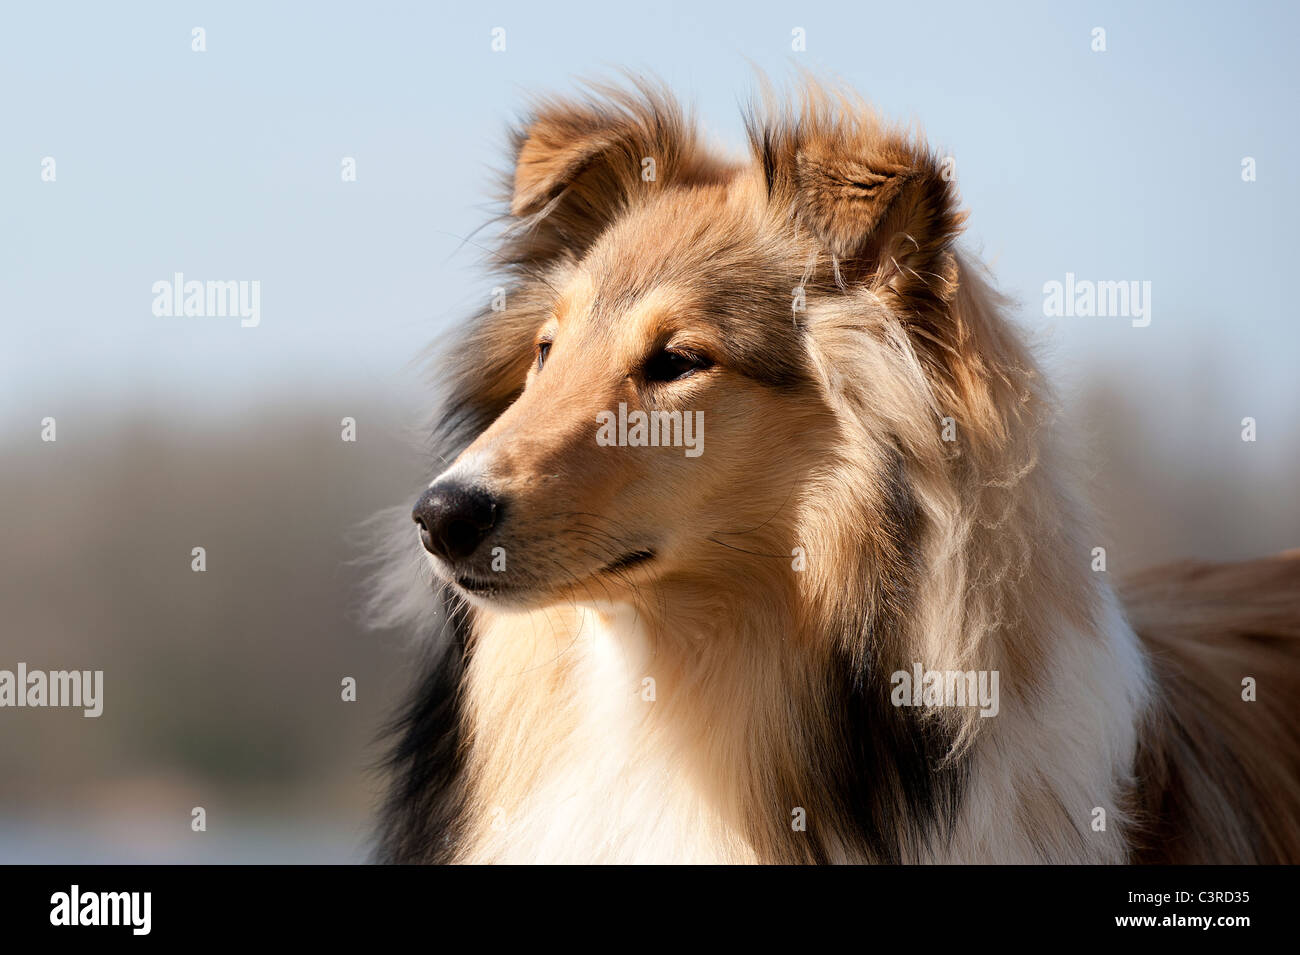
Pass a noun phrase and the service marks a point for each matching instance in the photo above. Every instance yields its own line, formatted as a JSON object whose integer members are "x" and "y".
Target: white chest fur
{"x": 611, "y": 784}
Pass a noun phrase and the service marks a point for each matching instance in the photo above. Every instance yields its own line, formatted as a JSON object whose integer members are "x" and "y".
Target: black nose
{"x": 454, "y": 518}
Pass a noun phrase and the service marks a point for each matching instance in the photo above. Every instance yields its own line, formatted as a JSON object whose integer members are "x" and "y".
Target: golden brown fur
{"x": 1220, "y": 776}
{"x": 825, "y": 438}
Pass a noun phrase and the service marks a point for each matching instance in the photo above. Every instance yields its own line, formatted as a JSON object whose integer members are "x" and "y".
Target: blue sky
{"x": 225, "y": 164}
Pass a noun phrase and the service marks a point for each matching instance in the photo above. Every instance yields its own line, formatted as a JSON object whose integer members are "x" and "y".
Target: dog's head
{"x": 691, "y": 343}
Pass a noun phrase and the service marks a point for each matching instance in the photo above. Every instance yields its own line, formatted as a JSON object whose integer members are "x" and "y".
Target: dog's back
{"x": 1219, "y": 772}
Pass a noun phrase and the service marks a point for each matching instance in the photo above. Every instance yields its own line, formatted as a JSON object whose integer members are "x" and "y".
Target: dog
{"x": 756, "y": 540}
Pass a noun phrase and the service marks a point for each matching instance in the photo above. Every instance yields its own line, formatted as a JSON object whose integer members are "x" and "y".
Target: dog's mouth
{"x": 486, "y": 587}
{"x": 483, "y": 588}
{"x": 628, "y": 561}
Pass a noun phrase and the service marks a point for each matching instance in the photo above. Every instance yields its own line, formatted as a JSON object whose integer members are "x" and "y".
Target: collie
{"x": 855, "y": 616}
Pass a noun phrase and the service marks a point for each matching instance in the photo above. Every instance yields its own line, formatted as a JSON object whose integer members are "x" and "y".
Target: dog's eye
{"x": 672, "y": 365}
{"x": 543, "y": 349}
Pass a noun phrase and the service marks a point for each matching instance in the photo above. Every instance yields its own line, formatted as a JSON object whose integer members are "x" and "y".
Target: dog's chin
{"x": 498, "y": 591}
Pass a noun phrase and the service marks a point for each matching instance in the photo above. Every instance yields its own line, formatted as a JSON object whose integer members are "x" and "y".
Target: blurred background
{"x": 222, "y": 688}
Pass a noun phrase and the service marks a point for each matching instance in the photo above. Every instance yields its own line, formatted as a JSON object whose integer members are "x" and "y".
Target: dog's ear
{"x": 579, "y": 164}
{"x": 875, "y": 198}
{"x": 888, "y": 213}
{"x": 883, "y": 207}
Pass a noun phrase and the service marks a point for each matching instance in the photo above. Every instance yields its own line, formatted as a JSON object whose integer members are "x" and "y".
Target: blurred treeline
{"x": 222, "y": 688}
